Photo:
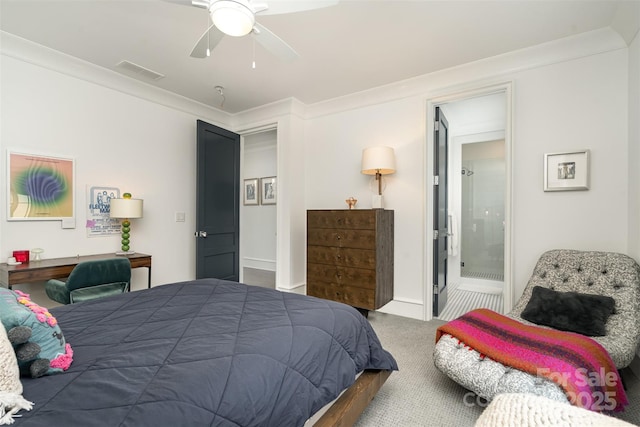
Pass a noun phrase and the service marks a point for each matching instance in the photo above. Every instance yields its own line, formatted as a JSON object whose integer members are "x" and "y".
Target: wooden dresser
{"x": 350, "y": 256}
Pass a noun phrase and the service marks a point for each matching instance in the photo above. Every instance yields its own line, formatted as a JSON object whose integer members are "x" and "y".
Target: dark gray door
{"x": 440, "y": 212}
{"x": 217, "y": 203}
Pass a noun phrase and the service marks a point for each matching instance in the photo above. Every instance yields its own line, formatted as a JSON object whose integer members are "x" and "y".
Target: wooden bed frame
{"x": 346, "y": 410}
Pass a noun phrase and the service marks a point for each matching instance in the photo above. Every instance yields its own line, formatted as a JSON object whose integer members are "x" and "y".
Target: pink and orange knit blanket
{"x": 577, "y": 363}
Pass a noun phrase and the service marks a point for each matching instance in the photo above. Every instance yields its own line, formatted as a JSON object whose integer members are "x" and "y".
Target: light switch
{"x": 69, "y": 222}
{"x": 180, "y": 216}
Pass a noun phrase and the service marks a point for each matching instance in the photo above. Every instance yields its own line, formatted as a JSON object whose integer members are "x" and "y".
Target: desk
{"x": 59, "y": 268}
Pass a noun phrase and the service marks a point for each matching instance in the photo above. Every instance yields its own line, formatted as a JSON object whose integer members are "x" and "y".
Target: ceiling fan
{"x": 238, "y": 18}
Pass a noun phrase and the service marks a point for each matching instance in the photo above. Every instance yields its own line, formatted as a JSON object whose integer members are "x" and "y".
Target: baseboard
{"x": 259, "y": 264}
{"x": 300, "y": 288}
{"x": 405, "y": 308}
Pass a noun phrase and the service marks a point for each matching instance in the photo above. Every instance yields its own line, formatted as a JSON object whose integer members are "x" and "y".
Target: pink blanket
{"x": 578, "y": 364}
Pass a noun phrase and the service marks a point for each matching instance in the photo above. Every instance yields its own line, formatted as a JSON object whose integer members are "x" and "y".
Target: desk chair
{"x": 90, "y": 280}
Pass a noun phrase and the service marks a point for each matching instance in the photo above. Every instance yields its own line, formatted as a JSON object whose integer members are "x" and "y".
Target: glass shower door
{"x": 482, "y": 213}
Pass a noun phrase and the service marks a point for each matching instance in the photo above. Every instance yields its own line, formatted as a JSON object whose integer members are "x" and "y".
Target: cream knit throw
{"x": 11, "y": 400}
{"x": 528, "y": 410}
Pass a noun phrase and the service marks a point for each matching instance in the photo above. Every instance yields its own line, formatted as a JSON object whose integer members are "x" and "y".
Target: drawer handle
{"x": 338, "y": 256}
{"x": 338, "y": 237}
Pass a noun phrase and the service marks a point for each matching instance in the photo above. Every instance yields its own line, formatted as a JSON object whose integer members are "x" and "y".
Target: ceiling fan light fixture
{"x": 232, "y": 17}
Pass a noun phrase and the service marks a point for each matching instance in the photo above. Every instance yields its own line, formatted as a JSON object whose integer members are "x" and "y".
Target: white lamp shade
{"x": 232, "y": 17}
{"x": 378, "y": 160}
{"x": 126, "y": 208}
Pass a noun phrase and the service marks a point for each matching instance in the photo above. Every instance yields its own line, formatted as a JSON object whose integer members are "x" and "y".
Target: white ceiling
{"x": 353, "y": 46}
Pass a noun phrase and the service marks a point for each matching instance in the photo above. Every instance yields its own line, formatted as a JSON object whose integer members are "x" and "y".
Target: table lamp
{"x": 378, "y": 161}
{"x": 126, "y": 208}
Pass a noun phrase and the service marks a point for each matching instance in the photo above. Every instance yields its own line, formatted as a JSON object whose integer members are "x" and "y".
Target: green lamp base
{"x": 126, "y": 229}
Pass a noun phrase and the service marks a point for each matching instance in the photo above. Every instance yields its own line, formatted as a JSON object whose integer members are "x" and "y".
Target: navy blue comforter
{"x": 203, "y": 353}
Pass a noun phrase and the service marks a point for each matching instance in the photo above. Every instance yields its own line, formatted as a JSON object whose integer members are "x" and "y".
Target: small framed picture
{"x": 251, "y": 191}
{"x": 566, "y": 171}
{"x": 268, "y": 190}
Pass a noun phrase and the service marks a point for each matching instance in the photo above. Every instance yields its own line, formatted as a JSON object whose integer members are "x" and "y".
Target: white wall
{"x": 566, "y": 95}
{"x": 634, "y": 158}
{"x": 338, "y": 140}
{"x": 572, "y": 105}
{"x": 634, "y": 148}
{"x": 258, "y": 224}
{"x": 562, "y": 100}
{"x": 117, "y": 139}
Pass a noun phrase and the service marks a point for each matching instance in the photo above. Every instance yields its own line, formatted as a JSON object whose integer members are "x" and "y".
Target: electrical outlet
{"x": 180, "y": 216}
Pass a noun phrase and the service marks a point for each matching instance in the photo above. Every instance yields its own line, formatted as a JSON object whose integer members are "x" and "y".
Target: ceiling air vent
{"x": 139, "y": 71}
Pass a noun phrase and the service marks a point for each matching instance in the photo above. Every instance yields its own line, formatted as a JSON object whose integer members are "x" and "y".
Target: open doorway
{"x": 258, "y": 224}
{"x": 477, "y": 231}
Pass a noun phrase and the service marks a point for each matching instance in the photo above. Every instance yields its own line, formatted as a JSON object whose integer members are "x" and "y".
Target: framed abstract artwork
{"x": 41, "y": 187}
{"x": 566, "y": 171}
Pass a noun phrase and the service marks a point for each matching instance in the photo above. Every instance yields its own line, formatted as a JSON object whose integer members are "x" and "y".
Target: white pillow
{"x": 11, "y": 400}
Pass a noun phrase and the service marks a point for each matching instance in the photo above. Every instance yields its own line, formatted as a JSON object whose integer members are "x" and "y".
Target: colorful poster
{"x": 98, "y": 204}
{"x": 40, "y": 187}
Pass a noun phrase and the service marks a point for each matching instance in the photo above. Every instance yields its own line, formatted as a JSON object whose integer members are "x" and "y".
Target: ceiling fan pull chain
{"x": 254, "y": 53}
{"x": 208, "y": 38}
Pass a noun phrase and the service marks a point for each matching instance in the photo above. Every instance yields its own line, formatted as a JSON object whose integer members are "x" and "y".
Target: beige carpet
{"x": 420, "y": 395}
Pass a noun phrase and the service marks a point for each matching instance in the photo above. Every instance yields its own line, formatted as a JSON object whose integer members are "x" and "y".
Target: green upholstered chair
{"x": 90, "y": 280}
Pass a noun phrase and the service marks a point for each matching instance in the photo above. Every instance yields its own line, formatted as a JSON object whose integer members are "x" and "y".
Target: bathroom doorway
{"x": 477, "y": 194}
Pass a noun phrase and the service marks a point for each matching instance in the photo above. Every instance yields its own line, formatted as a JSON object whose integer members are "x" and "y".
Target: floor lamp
{"x": 126, "y": 208}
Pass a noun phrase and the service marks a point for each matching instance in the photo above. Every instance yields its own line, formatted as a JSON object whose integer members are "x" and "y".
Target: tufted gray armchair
{"x": 588, "y": 272}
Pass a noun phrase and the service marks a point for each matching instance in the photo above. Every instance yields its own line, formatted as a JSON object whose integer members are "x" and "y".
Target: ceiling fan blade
{"x": 204, "y": 4}
{"x": 201, "y": 3}
{"x": 274, "y": 44}
{"x": 289, "y": 6}
{"x": 209, "y": 39}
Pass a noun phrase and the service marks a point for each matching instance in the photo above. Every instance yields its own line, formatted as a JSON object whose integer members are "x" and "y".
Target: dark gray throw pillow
{"x": 585, "y": 314}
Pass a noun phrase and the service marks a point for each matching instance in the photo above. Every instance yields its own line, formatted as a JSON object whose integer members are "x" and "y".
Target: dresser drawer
{"x": 345, "y": 257}
{"x": 351, "y": 219}
{"x": 363, "y": 239}
{"x": 358, "y": 277}
{"x": 356, "y": 297}
{"x": 350, "y": 256}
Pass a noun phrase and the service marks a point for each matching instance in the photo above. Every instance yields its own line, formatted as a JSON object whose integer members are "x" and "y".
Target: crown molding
{"x": 248, "y": 120}
{"x": 27, "y": 51}
{"x": 486, "y": 70}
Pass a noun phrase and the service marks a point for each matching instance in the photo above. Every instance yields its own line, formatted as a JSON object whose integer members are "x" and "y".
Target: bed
{"x": 209, "y": 352}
